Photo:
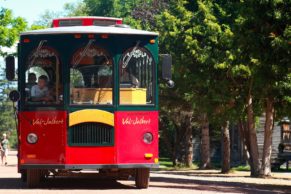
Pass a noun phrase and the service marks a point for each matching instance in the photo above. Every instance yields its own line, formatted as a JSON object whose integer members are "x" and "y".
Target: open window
{"x": 43, "y": 84}
{"x": 136, "y": 77}
{"x": 91, "y": 76}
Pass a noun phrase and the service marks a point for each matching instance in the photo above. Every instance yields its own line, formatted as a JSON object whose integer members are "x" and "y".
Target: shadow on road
{"x": 11, "y": 183}
{"x": 223, "y": 187}
{"x": 65, "y": 184}
{"x": 199, "y": 174}
{"x": 216, "y": 174}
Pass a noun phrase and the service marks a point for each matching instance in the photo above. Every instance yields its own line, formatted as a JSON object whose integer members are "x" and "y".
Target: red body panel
{"x": 52, "y": 147}
{"x": 90, "y": 155}
{"x": 130, "y": 128}
{"x": 50, "y": 128}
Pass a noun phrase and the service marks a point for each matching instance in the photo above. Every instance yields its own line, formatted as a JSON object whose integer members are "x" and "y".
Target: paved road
{"x": 162, "y": 182}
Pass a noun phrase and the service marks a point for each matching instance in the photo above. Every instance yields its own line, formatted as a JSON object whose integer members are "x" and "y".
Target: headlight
{"x": 148, "y": 138}
{"x": 32, "y": 138}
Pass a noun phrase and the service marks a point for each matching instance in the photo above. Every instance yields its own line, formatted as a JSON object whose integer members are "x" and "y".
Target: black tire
{"x": 142, "y": 177}
{"x": 33, "y": 178}
{"x": 23, "y": 175}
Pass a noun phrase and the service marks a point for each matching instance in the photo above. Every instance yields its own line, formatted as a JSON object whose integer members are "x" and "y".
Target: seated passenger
{"x": 31, "y": 81}
{"x": 40, "y": 91}
{"x": 127, "y": 77}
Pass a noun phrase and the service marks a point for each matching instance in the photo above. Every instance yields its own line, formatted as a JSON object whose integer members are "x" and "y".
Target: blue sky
{"x": 32, "y": 9}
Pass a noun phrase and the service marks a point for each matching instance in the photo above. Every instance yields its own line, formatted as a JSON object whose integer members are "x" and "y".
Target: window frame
{"x": 42, "y": 106}
{"x": 111, "y": 57}
{"x": 154, "y": 81}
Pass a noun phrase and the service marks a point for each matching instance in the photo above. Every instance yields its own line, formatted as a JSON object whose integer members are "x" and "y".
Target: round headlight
{"x": 148, "y": 138}
{"x": 32, "y": 138}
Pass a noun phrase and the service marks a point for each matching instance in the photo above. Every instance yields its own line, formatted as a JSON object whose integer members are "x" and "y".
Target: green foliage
{"x": 75, "y": 9}
{"x": 263, "y": 47}
{"x": 10, "y": 27}
{"x": 200, "y": 38}
{"x": 100, "y": 8}
{"x": 45, "y": 20}
{"x": 7, "y": 119}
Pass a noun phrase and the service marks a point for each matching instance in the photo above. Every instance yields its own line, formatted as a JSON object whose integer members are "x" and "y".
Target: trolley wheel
{"x": 33, "y": 178}
{"x": 23, "y": 175}
{"x": 142, "y": 176}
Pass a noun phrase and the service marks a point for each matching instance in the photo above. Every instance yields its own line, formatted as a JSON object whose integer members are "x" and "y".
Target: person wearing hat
{"x": 5, "y": 146}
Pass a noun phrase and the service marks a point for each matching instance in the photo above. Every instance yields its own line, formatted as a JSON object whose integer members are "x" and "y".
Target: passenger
{"x": 4, "y": 151}
{"x": 40, "y": 91}
{"x": 127, "y": 77}
{"x": 31, "y": 81}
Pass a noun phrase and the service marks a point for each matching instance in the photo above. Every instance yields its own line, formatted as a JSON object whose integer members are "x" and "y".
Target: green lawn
{"x": 241, "y": 168}
{"x": 166, "y": 164}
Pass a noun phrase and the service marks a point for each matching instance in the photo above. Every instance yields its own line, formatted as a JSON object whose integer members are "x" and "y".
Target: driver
{"x": 40, "y": 91}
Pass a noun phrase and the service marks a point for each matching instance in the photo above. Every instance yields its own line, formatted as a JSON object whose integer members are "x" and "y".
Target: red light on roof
{"x": 26, "y": 40}
{"x": 104, "y": 36}
{"x": 90, "y": 36}
{"x": 77, "y": 36}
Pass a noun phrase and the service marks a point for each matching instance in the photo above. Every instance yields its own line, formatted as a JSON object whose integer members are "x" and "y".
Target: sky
{"x": 32, "y": 9}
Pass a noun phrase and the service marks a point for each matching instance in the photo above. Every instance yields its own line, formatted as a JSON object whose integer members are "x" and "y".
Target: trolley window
{"x": 136, "y": 75}
{"x": 43, "y": 77}
{"x": 91, "y": 76}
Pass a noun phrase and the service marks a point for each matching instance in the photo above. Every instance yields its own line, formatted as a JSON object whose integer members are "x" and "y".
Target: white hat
{"x": 4, "y": 134}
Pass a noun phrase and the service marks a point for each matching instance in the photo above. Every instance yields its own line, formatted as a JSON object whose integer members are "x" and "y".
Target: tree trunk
{"x": 254, "y": 150}
{"x": 226, "y": 148}
{"x": 267, "y": 150}
{"x": 205, "y": 143}
{"x": 188, "y": 141}
{"x": 244, "y": 134}
{"x": 183, "y": 140}
{"x": 189, "y": 149}
{"x": 176, "y": 148}
{"x": 165, "y": 137}
{"x": 186, "y": 144}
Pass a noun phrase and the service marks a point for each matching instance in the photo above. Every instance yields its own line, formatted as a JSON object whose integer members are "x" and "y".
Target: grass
{"x": 248, "y": 168}
{"x": 167, "y": 164}
{"x": 241, "y": 168}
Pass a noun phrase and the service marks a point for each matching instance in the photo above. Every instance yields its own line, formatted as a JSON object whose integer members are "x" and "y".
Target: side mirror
{"x": 14, "y": 96}
{"x": 10, "y": 68}
{"x": 166, "y": 70}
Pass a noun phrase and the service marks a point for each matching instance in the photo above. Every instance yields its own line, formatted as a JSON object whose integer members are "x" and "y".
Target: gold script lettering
{"x": 135, "y": 121}
{"x": 48, "y": 121}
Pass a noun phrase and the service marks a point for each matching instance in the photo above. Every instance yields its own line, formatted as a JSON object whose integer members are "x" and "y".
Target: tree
{"x": 100, "y": 8}
{"x": 45, "y": 20}
{"x": 75, "y": 9}
{"x": 7, "y": 119}
{"x": 200, "y": 38}
{"x": 10, "y": 27}
{"x": 263, "y": 34}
